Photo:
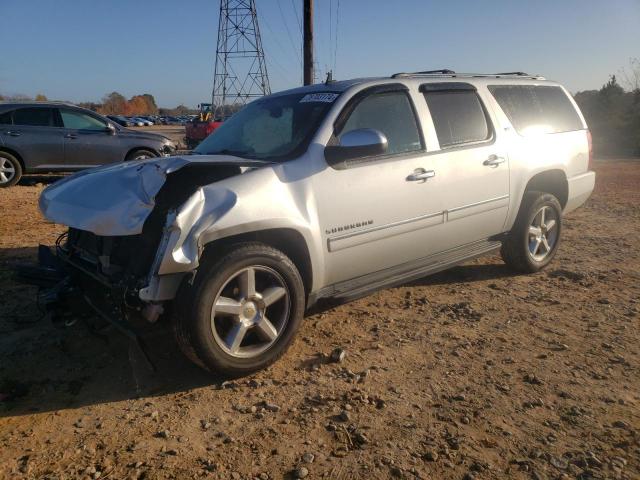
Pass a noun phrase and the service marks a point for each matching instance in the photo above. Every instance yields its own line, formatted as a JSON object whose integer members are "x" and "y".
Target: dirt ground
{"x": 470, "y": 374}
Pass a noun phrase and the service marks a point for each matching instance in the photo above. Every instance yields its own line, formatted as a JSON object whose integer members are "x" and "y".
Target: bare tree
{"x": 631, "y": 76}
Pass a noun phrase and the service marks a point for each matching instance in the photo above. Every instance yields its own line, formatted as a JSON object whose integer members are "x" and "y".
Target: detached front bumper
{"x": 88, "y": 274}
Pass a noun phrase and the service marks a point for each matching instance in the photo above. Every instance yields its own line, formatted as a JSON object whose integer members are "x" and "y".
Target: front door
{"x": 87, "y": 140}
{"x": 376, "y": 212}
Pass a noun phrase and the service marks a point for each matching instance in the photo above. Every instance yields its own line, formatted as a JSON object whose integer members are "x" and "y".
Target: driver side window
{"x": 81, "y": 121}
{"x": 392, "y": 114}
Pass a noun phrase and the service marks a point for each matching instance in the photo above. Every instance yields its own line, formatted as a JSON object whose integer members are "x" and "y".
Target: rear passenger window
{"x": 5, "y": 118}
{"x": 537, "y": 109}
{"x": 458, "y": 117}
{"x": 390, "y": 113}
{"x": 35, "y": 117}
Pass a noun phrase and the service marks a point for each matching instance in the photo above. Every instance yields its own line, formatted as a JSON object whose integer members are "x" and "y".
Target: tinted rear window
{"x": 36, "y": 117}
{"x": 537, "y": 109}
{"x": 458, "y": 117}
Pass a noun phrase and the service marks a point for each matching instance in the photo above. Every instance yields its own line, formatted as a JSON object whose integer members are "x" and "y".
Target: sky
{"x": 80, "y": 50}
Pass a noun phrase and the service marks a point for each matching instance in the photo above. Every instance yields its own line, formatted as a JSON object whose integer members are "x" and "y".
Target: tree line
{"x": 115, "y": 103}
{"x": 613, "y": 116}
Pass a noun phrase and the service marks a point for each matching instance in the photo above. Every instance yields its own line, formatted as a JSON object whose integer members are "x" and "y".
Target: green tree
{"x": 41, "y": 98}
{"x": 613, "y": 116}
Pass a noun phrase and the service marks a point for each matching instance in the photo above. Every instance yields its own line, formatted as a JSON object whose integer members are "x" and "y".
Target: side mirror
{"x": 360, "y": 143}
{"x": 110, "y": 129}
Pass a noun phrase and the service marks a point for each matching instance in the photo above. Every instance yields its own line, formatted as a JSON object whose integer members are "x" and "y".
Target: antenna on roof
{"x": 329, "y": 77}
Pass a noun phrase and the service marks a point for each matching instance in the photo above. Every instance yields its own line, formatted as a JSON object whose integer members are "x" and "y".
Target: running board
{"x": 361, "y": 286}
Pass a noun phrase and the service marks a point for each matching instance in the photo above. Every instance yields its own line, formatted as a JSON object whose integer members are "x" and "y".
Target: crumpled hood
{"x": 116, "y": 199}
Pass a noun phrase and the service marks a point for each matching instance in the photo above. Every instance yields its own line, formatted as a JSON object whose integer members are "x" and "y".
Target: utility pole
{"x": 308, "y": 42}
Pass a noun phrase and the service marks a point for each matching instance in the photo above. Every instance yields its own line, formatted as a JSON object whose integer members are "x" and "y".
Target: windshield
{"x": 272, "y": 128}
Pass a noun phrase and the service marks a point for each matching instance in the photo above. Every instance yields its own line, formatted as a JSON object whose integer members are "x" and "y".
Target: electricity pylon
{"x": 240, "y": 73}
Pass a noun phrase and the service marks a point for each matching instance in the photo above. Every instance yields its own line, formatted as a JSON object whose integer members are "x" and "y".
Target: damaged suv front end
{"x": 138, "y": 230}
{"x": 130, "y": 213}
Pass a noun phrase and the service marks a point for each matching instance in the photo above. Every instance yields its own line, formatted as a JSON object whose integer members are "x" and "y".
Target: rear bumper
{"x": 580, "y": 188}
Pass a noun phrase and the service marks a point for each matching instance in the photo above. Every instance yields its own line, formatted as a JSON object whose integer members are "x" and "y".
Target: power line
{"x": 286, "y": 26}
{"x": 330, "y": 32}
{"x": 295, "y": 9}
{"x": 277, "y": 40}
{"x": 335, "y": 55}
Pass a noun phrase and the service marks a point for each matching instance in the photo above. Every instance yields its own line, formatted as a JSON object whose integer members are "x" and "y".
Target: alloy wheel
{"x": 543, "y": 233}
{"x": 7, "y": 170}
{"x": 250, "y": 311}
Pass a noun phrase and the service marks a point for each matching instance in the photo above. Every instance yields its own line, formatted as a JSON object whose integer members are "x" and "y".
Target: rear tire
{"x": 242, "y": 311}
{"x": 141, "y": 154}
{"x": 535, "y": 236}
{"x": 10, "y": 170}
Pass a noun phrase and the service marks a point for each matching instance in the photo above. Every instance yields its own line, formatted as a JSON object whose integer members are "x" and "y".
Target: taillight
{"x": 590, "y": 144}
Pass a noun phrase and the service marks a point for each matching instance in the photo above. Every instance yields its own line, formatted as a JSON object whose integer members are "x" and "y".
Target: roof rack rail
{"x": 443, "y": 71}
{"x": 515, "y": 74}
{"x": 451, "y": 73}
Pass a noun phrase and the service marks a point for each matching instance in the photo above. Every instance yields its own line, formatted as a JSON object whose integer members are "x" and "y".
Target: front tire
{"x": 535, "y": 236}
{"x": 242, "y": 311}
{"x": 10, "y": 170}
{"x": 140, "y": 155}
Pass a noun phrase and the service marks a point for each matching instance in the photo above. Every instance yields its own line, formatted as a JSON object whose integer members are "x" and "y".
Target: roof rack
{"x": 445, "y": 72}
{"x": 515, "y": 74}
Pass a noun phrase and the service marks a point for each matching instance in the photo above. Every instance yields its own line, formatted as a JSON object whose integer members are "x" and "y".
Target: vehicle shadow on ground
{"x": 467, "y": 274}
{"x": 31, "y": 180}
{"x": 46, "y": 368}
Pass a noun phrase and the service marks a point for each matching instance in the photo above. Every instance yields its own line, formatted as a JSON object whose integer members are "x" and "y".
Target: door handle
{"x": 420, "y": 174}
{"x": 71, "y": 136}
{"x": 13, "y": 134}
{"x": 493, "y": 161}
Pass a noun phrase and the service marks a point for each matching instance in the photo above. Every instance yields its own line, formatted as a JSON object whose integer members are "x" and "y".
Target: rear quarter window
{"x": 537, "y": 108}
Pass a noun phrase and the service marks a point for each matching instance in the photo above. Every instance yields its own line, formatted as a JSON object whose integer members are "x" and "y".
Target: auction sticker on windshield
{"x": 319, "y": 97}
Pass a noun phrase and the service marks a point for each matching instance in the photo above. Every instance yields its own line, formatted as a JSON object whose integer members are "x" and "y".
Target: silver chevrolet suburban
{"x": 319, "y": 195}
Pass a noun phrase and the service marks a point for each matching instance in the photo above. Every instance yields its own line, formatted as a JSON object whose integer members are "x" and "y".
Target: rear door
{"x": 87, "y": 140}
{"x": 34, "y": 133}
{"x": 471, "y": 165}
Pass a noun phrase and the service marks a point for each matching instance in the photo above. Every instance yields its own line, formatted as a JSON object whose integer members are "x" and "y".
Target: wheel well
{"x": 15, "y": 154}
{"x": 137, "y": 149}
{"x": 287, "y": 240}
{"x": 550, "y": 181}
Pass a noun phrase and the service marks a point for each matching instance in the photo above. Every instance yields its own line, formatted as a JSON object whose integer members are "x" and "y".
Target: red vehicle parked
{"x": 201, "y": 127}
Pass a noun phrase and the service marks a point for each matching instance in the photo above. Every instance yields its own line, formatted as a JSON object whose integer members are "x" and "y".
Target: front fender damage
{"x": 133, "y": 227}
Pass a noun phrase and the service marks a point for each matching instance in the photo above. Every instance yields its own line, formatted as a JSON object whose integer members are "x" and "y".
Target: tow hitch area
{"x": 64, "y": 303}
